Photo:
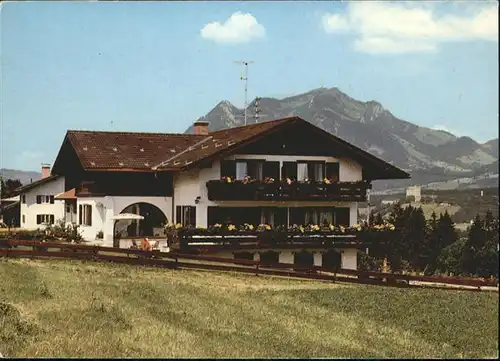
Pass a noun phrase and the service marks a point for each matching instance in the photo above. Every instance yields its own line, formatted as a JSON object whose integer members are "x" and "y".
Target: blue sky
{"x": 158, "y": 66}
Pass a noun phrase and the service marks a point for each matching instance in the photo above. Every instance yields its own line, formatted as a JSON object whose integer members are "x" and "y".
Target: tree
{"x": 441, "y": 234}
{"x": 487, "y": 256}
{"x": 375, "y": 218}
{"x": 476, "y": 241}
{"x": 417, "y": 239}
{"x": 9, "y": 186}
{"x": 449, "y": 260}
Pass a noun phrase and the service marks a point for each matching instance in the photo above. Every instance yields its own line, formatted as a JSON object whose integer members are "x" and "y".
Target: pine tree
{"x": 487, "y": 257}
{"x": 417, "y": 244}
{"x": 432, "y": 244}
{"x": 447, "y": 232}
{"x": 476, "y": 241}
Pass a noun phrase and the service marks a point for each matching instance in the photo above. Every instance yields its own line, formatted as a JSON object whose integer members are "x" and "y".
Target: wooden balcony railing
{"x": 221, "y": 190}
{"x": 284, "y": 239}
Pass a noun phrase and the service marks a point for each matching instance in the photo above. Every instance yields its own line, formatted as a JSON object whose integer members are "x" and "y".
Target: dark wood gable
{"x": 68, "y": 164}
{"x": 296, "y": 138}
{"x": 300, "y": 138}
{"x": 112, "y": 183}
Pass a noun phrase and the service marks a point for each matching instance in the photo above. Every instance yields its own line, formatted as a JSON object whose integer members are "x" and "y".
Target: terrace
{"x": 264, "y": 236}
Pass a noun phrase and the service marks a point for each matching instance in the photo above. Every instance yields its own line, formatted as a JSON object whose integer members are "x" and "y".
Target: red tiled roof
{"x": 219, "y": 141}
{"x": 71, "y": 194}
{"x": 99, "y": 150}
{"x": 144, "y": 152}
{"x": 120, "y": 150}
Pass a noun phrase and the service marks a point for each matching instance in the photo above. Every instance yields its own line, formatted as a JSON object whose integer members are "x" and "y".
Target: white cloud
{"x": 383, "y": 27}
{"x": 239, "y": 28}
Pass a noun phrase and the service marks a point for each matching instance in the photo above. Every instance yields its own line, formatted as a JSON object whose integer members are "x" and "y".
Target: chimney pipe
{"x": 201, "y": 127}
{"x": 45, "y": 170}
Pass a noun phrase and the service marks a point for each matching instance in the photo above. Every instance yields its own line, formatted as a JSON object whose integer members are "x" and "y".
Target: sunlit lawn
{"x": 75, "y": 309}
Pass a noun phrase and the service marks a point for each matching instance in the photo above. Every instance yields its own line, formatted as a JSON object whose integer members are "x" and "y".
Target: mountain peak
{"x": 368, "y": 125}
{"x": 225, "y": 103}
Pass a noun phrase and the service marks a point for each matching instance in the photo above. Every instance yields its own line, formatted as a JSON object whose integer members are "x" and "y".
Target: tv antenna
{"x": 257, "y": 109}
{"x": 245, "y": 78}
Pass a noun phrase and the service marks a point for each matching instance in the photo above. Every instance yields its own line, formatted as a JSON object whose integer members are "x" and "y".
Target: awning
{"x": 126, "y": 216}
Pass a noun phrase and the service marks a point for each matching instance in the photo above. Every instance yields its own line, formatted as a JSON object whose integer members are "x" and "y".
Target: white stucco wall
{"x": 318, "y": 258}
{"x": 189, "y": 185}
{"x": 349, "y": 258}
{"x": 30, "y": 209}
{"x": 286, "y": 257}
{"x": 103, "y": 208}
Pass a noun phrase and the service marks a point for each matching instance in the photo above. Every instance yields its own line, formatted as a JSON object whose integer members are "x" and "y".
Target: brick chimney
{"x": 201, "y": 127}
{"x": 45, "y": 170}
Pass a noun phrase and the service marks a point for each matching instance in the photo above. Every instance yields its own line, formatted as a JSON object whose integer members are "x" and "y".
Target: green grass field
{"x": 74, "y": 309}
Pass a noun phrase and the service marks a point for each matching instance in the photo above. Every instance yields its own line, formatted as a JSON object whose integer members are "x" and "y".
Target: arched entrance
{"x": 153, "y": 224}
{"x": 332, "y": 259}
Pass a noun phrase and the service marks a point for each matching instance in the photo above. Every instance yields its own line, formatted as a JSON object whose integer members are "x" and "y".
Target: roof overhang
{"x": 33, "y": 185}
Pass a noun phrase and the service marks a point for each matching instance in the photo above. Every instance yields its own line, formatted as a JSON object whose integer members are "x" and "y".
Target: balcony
{"x": 222, "y": 190}
{"x": 215, "y": 238}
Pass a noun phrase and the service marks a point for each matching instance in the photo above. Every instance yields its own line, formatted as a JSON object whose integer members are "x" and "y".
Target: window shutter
{"x": 271, "y": 169}
{"x": 192, "y": 216}
{"x": 89, "y": 215}
{"x": 38, "y": 199}
{"x": 51, "y": 219}
{"x": 38, "y": 219}
{"x": 342, "y": 216}
{"x": 80, "y": 214}
{"x": 333, "y": 171}
{"x": 178, "y": 214}
{"x": 213, "y": 216}
{"x": 51, "y": 199}
{"x": 228, "y": 168}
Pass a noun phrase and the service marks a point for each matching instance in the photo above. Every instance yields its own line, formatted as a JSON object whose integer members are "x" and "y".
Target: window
{"x": 23, "y": 200}
{"x": 316, "y": 171}
{"x": 316, "y": 215}
{"x": 255, "y": 169}
{"x": 302, "y": 171}
{"x": 24, "y": 218}
{"x": 44, "y": 219}
{"x": 85, "y": 216}
{"x": 274, "y": 216}
{"x": 185, "y": 215}
{"x": 44, "y": 199}
{"x": 241, "y": 170}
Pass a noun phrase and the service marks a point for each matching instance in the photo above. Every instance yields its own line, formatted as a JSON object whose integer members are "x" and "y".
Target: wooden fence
{"x": 173, "y": 260}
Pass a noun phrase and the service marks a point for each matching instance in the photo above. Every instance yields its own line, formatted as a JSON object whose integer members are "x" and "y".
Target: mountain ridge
{"x": 371, "y": 127}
